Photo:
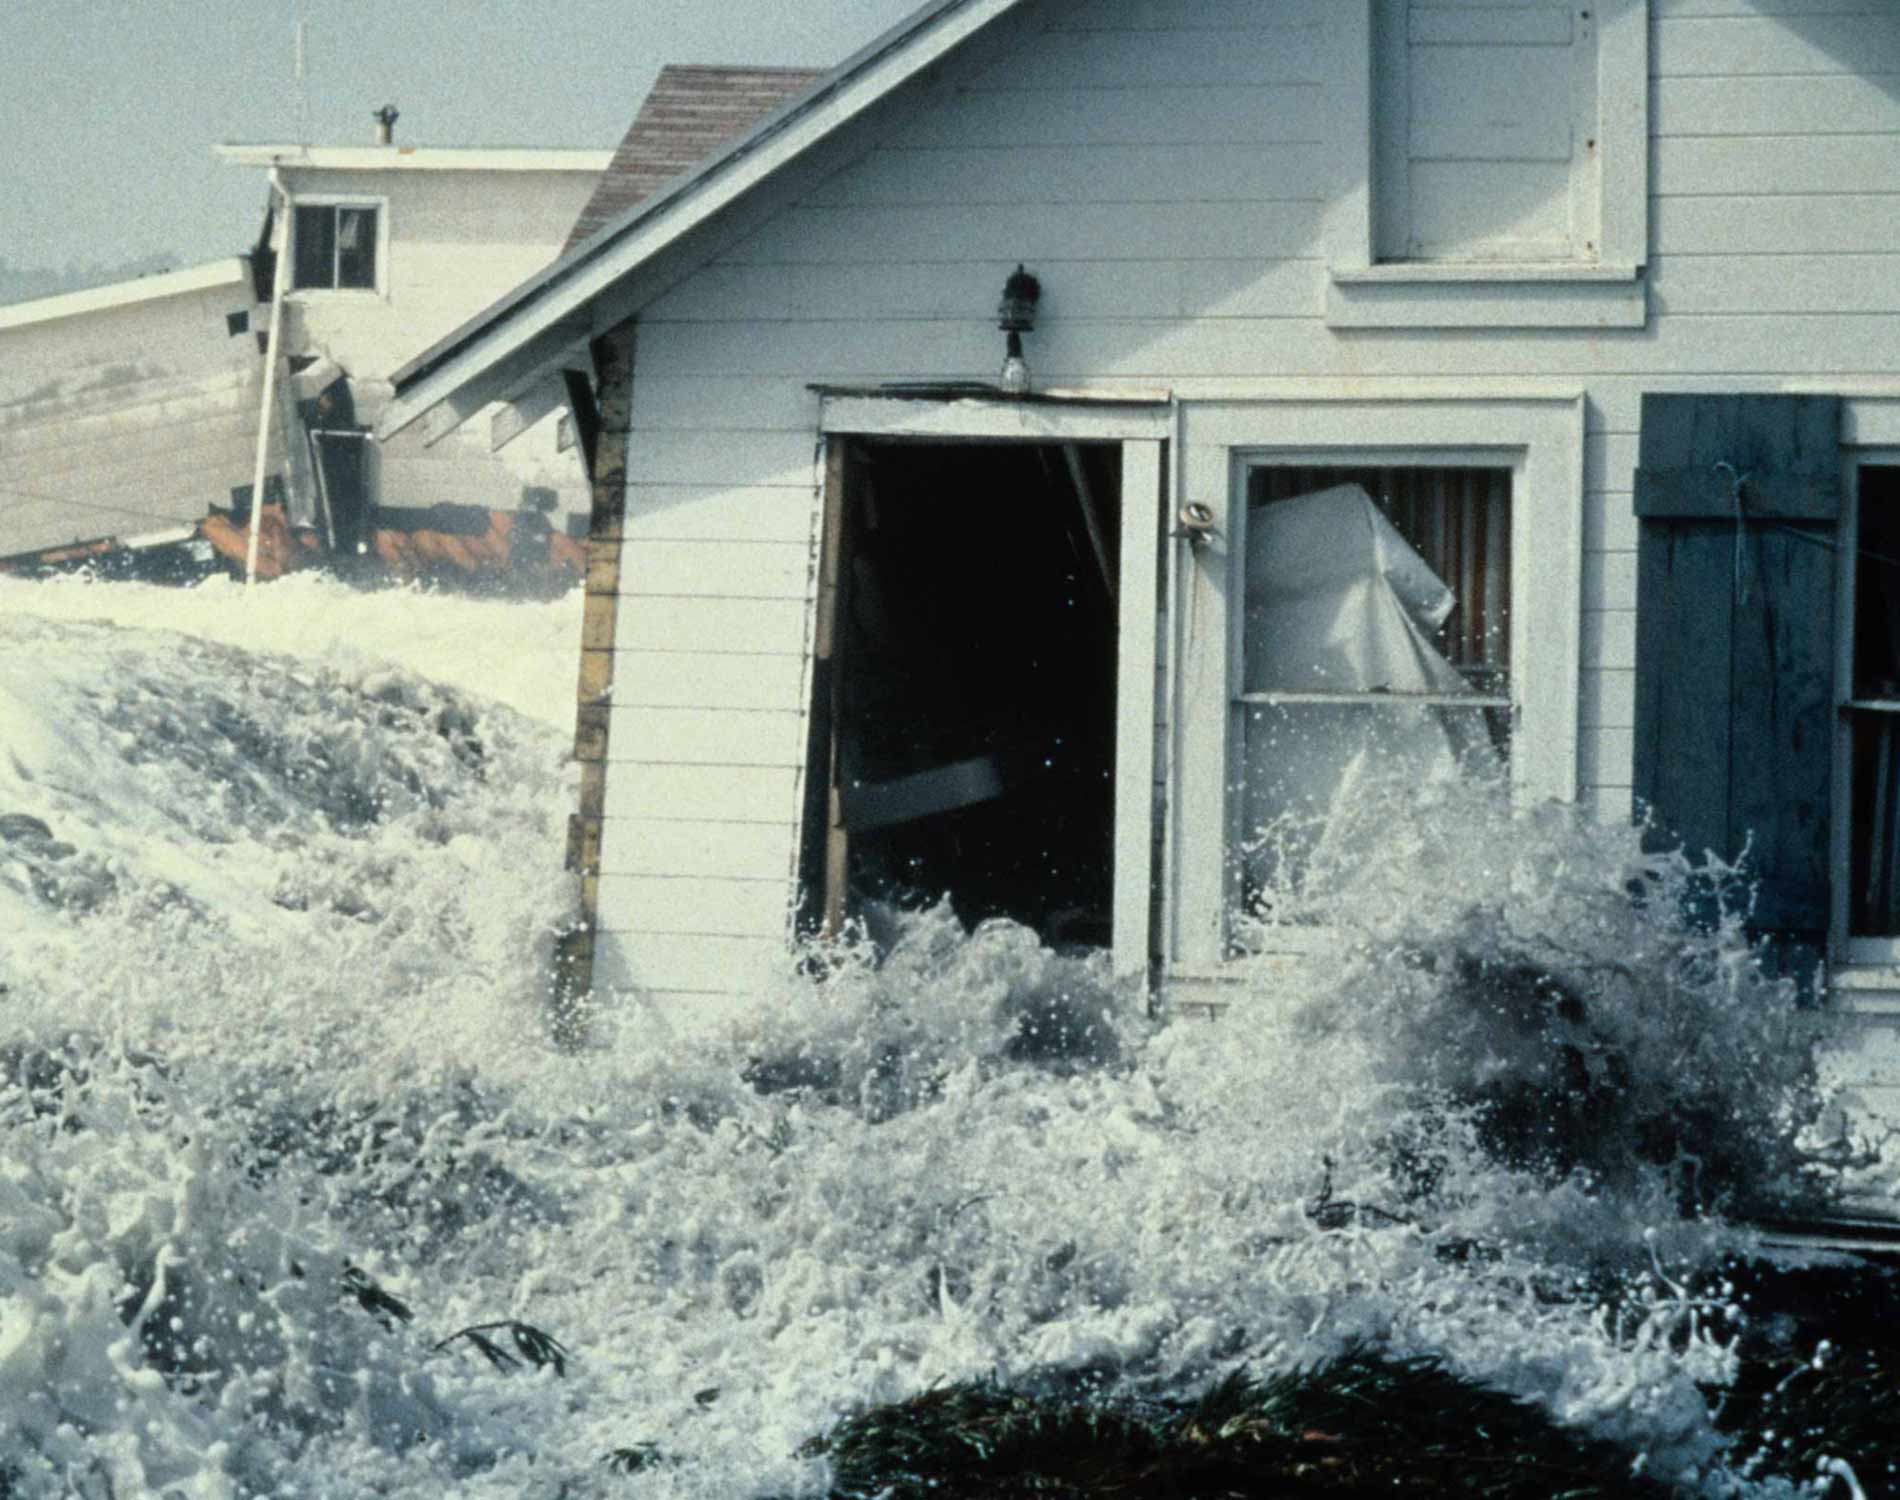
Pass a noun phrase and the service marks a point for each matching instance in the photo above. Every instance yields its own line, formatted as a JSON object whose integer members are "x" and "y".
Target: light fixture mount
{"x": 1016, "y": 315}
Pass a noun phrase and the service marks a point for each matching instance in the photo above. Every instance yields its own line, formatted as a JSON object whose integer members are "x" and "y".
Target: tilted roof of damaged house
{"x": 691, "y": 111}
{"x": 147, "y": 288}
{"x": 480, "y": 361}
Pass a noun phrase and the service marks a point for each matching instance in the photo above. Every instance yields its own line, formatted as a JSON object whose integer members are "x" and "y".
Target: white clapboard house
{"x": 1573, "y": 327}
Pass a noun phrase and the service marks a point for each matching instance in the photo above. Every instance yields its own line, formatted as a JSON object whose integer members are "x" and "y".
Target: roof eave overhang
{"x": 535, "y": 327}
{"x": 215, "y": 273}
{"x": 417, "y": 158}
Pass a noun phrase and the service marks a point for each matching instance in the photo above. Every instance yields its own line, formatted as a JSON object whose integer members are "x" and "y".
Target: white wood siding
{"x": 1162, "y": 165}
{"x": 126, "y": 420}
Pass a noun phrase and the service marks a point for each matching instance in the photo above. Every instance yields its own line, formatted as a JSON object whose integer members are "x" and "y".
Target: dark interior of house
{"x": 973, "y": 707}
{"x": 1874, "y": 906}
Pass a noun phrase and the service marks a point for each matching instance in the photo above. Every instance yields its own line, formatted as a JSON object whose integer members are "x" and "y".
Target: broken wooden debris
{"x": 922, "y": 794}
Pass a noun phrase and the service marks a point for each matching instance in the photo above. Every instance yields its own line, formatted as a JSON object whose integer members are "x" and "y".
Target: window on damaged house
{"x": 1487, "y": 143}
{"x": 1375, "y": 656}
{"x": 335, "y": 246}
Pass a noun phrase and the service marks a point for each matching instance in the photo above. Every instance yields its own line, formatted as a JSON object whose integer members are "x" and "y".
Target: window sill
{"x": 1865, "y": 989}
{"x": 1482, "y": 271}
{"x": 1443, "y": 294}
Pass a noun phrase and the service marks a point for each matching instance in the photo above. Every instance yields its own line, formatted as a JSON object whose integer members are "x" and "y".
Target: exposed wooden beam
{"x": 1091, "y": 517}
{"x": 578, "y": 392}
{"x": 832, "y": 566}
{"x": 1078, "y": 416}
{"x": 500, "y": 381}
{"x": 610, "y": 404}
{"x": 540, "y": 400}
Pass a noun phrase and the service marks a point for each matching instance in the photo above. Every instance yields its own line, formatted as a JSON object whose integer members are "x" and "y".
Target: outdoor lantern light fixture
{"x": 1017, "y": 316}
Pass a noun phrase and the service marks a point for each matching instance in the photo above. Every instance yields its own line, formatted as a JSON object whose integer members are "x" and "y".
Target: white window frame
{"x": 1606, "y": 291}
{"x": 337, "y": 200}
{"x": 1864, "y": 972}
{"x": 1540, "y": 438}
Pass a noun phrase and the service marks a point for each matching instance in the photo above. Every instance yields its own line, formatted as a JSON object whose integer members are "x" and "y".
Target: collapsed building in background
{"x": 127, "y": 413}
{"x": 366, "y": 251}
{"x": 139, "y": 421}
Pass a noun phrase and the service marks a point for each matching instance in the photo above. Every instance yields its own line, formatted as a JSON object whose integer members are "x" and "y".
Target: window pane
{"x": 356, "y": 247}
{"x": 1321, "y": 781}
{"x": 1874, "y": 868}
{"x": 313, "y": 233}
{"x": 1458, "y": 524}
{"x": 1372, "y": 586}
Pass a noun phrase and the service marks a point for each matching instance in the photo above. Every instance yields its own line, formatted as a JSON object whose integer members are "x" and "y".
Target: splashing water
{"x": 521, "y": 653}
{"x": 274, "y": 937}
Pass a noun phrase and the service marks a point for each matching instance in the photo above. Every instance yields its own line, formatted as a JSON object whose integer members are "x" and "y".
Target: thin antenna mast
{"x": 303, "y": 89}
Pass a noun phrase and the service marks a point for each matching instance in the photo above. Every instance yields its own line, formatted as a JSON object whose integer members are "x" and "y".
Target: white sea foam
{"x": 522, "y": 653}
{"x": 275, "y": 975}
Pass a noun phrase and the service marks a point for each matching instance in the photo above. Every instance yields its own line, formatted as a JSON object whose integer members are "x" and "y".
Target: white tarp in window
{"x": 1337, "y": 602}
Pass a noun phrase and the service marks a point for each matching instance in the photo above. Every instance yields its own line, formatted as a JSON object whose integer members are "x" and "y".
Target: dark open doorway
{"x": 964, "y": 724}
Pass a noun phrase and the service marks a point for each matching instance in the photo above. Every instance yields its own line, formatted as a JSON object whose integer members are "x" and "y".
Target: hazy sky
{"x": 109, "y": 108}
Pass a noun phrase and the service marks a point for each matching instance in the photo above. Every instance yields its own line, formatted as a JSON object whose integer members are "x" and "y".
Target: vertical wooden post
{"x": 1091, "y": 517}
{"x": 273, "y": 354}
{"x": 821, "y": 835}
{"x": 827, "y": 634}
{"x": 612, "y": 405}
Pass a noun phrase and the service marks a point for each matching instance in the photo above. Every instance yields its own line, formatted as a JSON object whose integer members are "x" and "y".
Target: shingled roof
{"x": 692, "y": 109}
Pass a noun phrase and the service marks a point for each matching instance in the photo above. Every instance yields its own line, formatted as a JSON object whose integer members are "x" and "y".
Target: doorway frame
{"x": 1144, "y": 427}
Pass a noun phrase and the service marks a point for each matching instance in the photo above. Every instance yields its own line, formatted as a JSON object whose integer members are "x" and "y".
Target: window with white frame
{"x": 336, "y": 246}
{"x": 1494, "y": 164}
{"x": 1487, "y": 146}
{"x": 1376, "y": 651}
{"x": 1378, "y": 581}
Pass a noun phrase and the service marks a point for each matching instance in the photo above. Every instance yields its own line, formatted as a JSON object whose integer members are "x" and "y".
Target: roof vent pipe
{"x": 385, "y": 119}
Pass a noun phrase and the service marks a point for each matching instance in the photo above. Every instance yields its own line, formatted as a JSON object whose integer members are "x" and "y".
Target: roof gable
{"x": 532, "y": 329}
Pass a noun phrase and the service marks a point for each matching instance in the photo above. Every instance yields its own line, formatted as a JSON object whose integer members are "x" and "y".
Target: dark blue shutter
{"x": 1735, "y": 638}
